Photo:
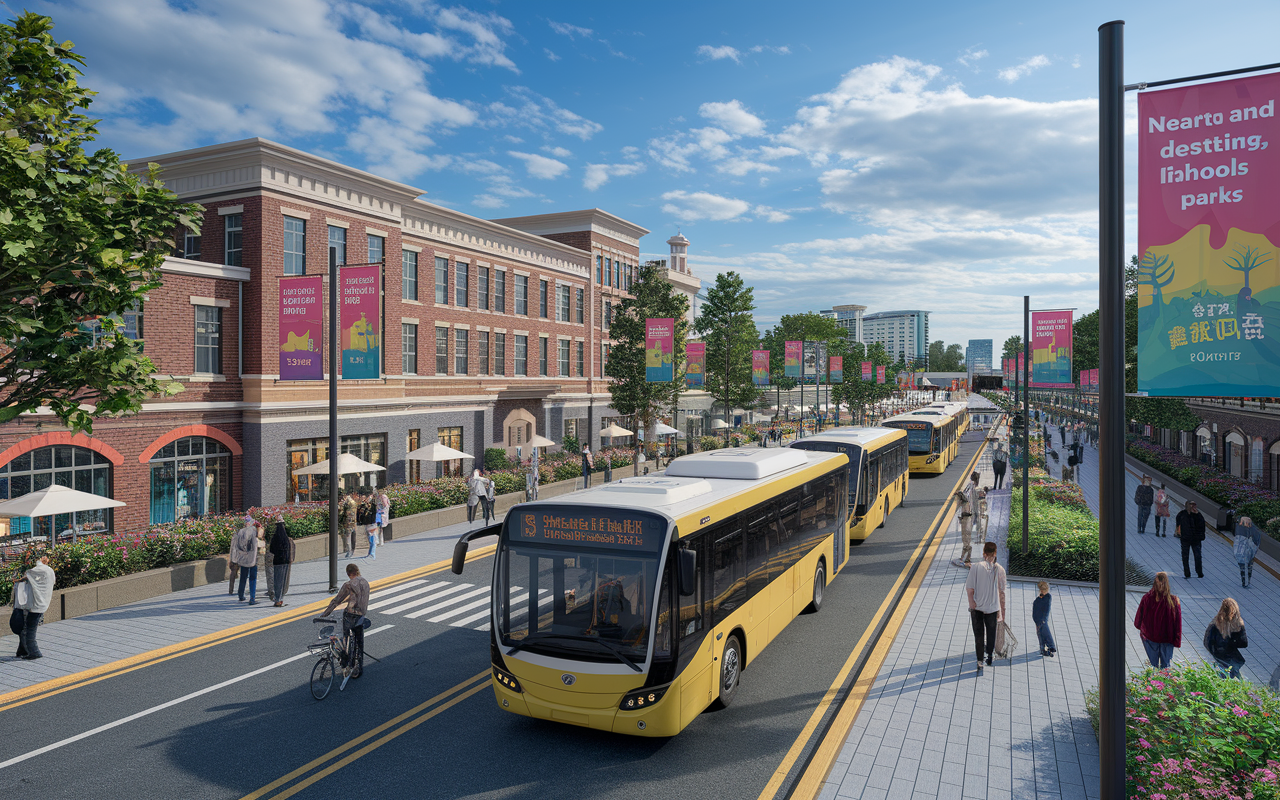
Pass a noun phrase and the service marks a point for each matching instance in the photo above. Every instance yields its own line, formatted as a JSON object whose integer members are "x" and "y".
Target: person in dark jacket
{"x": 1040, "y": 608}
{"x": 1159, "y": 622}
{"x": 587, "y": 465}
{"x": 1189, "y": 527}
{"x": 1225, "y": 636}
{"x": 1144, "y": 497}
{"x": 282, "y": 557}
{"x": 999, "y": 464}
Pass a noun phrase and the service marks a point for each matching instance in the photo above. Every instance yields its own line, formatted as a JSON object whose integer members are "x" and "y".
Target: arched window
{"x": 190, "y": 477}
{"x": 1255, "y": 459}
{"x": 1235, "y": 454}
{"x": 1204, "y": 444}
{"x": 1274, "y": 457}
{"x": 64, "y": 465}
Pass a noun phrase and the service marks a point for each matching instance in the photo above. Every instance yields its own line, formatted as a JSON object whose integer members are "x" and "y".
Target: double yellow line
{"x": 55, "y": 686}
{"x": 849, "y": 703}
{"x": 344, "y": 754}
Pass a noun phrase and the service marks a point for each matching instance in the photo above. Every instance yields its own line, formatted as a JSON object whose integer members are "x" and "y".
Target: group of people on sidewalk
{"x": 251, "y": 550}
{"x": 1159, "y": 624}
{"x": 480, "y": 492}
{"x": 1189, "y": 527}
{"x": 370, "y": 509}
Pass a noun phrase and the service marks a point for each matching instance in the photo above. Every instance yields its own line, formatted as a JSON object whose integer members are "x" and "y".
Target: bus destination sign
{"x": 598, "y": 527}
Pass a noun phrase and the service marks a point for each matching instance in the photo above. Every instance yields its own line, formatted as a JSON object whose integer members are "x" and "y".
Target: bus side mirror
{"x": 459, "y": 556}
{"x": 687, "y": 574}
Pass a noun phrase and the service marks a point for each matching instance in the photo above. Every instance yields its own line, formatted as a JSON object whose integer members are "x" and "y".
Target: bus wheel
{"x": 730, "y": 671}
{"x": 819, "y": 586}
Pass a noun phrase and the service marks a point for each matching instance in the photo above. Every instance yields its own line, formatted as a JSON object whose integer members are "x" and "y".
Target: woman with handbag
{"x": 1247, "y": 541}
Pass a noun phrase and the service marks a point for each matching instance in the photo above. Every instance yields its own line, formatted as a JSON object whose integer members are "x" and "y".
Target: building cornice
{"x": 204, "y": 269}
{"x": 456, "y": 229}
{"x": 593, "y": 219}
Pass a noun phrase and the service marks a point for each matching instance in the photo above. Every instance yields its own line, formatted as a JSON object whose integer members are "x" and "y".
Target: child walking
{"x": 1040, "y": 616}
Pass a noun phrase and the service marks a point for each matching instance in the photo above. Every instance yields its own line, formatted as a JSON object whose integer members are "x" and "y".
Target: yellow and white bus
{"x": 933, "y": 438}
{"x": 952, "y": 408}
{"x": 632, "y": 606}
{"x": 878, "y": 466}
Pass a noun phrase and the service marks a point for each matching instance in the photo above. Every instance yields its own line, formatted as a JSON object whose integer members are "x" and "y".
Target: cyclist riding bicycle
{"x": 356, "y": 594}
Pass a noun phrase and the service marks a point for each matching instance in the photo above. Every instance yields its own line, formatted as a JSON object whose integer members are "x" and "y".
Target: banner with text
{"x": 361, "y": 322}
{"x": 792, "y": 353}
{"x": 836, "y": 366}
{"x": 1208, "y": 228}
{"x": 1093, "y": 379}
{"x": 879, "y": 374}
{"x": 1020, "y": 372}
{"x": 695, "y": 370}
{"x": 1051, "y": 350}
{"x": 760, "y": 367}
{"x": 659, "y": 350}
{"x": 302, "y": 328}
{"x": 866, "y": 370}
{"x": 815, "y": 361}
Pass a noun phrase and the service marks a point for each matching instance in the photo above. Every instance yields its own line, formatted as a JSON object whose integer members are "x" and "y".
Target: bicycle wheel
{"x": 322, "y": 678}
{"x": 357, "y": 666}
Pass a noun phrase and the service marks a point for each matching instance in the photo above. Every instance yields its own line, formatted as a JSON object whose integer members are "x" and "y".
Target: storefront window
{"x": 449, "y": 437}
{"x": 190, "y": 478}
{"x": 305, "y": 452}
{"x": 65, "y": 465}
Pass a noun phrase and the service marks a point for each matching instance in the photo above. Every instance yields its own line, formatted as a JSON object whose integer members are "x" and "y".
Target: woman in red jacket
{"x": 1159, "y": 622}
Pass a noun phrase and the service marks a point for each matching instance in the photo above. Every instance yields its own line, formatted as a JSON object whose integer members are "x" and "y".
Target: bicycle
{"x": 333, "y": 652}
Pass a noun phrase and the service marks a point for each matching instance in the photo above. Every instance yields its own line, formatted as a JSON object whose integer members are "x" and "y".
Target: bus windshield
{"x": 591, "y": 601}
{"x": 919, "y": 435}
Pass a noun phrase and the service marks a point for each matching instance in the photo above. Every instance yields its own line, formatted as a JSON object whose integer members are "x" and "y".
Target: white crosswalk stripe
{"x": 430, "y": 598}
{"x": 456, "y": 599}
{"x": 420, "y": 598}
{"x": 379, "y": 602}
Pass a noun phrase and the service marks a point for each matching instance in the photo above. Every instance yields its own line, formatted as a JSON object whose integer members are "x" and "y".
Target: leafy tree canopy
{"x": 726, "y": 323}
{"x": 946, "y": 358}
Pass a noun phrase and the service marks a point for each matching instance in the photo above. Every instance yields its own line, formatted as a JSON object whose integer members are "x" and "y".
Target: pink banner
{"x": 879, "y": 374}
{"x": 793, "y": 355}
{"x": 1051, "y": 350}
{"x": 1093, "y": 379}
{"x": 866, "y": 370}
{"x": 302, "y": 328}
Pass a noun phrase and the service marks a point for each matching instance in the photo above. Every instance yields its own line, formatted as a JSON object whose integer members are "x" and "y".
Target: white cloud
{"x": 565, "y": 29}
{"x": 972, "y": 56}
{"x": 1027, "y": 67}
{"x": 528, "y": 109}
{"x": 771, "y": 214}
{"x": 733, "y": 117}
{"x": 764, "y": 48}
{"x": 718, "y": 53}
{"x": 598, "y": 175}
{"x": 558, "y": 152}
{"x": 550, "y": 54}
{"x": 540, "y": 166}
{"x": 690, "y": 206}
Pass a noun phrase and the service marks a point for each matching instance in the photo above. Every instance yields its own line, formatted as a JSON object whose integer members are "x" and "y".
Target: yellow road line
{"x": 54, "y": 686}
{"x": 775, "y": 782}
{"x": 462, "y": 693}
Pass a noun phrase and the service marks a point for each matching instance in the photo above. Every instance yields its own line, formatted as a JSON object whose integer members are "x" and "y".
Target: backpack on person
{"x": 1245, "y": 549}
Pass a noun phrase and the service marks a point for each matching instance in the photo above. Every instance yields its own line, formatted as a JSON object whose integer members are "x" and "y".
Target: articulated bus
{"x": 933, "y": 438}
{"x": 955, "y": 409}
{"x": 878, "y": 464}
{"x": 632, "y": 606}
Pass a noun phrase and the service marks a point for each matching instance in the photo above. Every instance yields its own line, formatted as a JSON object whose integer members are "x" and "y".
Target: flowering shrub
{"x": 1194, "y": 734}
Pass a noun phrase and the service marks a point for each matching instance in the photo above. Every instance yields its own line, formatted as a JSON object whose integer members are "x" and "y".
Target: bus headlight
{"x": 642, "y": 698}
{"x": 507, "y": 680}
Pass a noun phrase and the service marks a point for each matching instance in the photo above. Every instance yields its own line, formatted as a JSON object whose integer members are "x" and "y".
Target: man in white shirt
{"x": 32, "y": 594}
{"x": 986, "y": 588}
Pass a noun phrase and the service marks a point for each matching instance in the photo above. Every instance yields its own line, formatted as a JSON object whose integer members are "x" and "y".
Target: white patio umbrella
{"x": 347, "y": 465}
{"x": 540, "y": 441}
{"x": 718, "y": 423}
{"x": 53, "y": 500}
{"x": 665, "y": 429}
{"x": 614, "y": 431}
{"x": 437, "y": 452}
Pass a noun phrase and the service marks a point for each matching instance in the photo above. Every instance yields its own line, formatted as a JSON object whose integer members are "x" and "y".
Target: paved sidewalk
{"x": 82, "y": 643}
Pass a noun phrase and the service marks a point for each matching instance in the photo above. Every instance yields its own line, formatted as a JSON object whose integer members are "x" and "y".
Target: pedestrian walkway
{"x": 100, "y": 638}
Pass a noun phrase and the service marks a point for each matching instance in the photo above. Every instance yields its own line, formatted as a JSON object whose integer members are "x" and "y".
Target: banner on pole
{"x": 361, "y": 322}
{"x": 1051, "y": 350}
{"x": 835, "y": 365}
{"x": 879, "y": 374}
{"x": 1020, "y": 374}
{"x": 815, "y": 362}
{"x": 1093, "y": 379}
{"x": 695, "y": 371}
{"x": 866, "y": 370}
{"x": 760, "y": 367}
{"x": 1208, "y": 217}
{"x": 1084, "y": 380}
{"x": 302, "y": 328}
{"x": 792, "y": 355}
{"x": 659, "y": 350}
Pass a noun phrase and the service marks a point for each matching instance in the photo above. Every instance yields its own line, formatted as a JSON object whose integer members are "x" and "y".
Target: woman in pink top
{"x": 1162, "y": 512}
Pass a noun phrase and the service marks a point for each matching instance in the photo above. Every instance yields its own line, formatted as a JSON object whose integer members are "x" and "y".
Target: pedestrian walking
{"x": 1062, "y": 432}
{"x": 1247, "y": 541}
{"x": 260, "y": 546}
{"x": 234, "y": 569}
{"x": 1144, "y": 497}
{"x": 968, "y": 505}
{"x": 1224, "y": 637}
{"x": 384, "y": 513}
{"x": 244, "y": 553}
{"x": 490, "y": 487}
{"x": 1189, "y": 527}
{"x": 1040, "y": 608}
{"x": 282, "y": 558}
{"x": 1159, "y": 622}
{"x": 475, "y": 490}
{"x": 999, "y": 464}
{"x": 588, "y": 463}
{"x": 1162, "y": 511}
{"x": 347, "y": 515}
{"x": 986, "y": 587}
{"x": 32, "y": 593}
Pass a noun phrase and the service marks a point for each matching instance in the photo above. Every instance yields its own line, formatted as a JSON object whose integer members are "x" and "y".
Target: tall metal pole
{"x": 727, "y": 334}
{"x": 800, "y": 433}
{"x": 1111, "y": 500}
{"x": 1026, "y": 423}
{"x": 335, "y": 347}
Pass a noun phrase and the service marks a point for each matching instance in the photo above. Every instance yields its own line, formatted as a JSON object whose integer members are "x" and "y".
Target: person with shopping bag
{"x": 986, "y": 587}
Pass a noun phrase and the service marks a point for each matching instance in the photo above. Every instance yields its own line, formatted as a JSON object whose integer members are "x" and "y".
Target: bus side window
{"x": 729, "y": 579}
{"x": 759, "y": 524}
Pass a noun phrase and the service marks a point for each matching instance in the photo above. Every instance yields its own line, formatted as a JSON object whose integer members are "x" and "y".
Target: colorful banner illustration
{"x": 1084, "y": 379}
{"x": 1020, "y": 374}
{"x": 1208, "y": 227}
{"x": 361, "y": 322}
{"x": 1051, "y": 350}
{"x": 302, "y": 328}
{"x": 695, "y": 358}
{"x": 792, "y": 354}
{"x": 659, "y": 349}
{"x": 760, "y": 367}
{"x": 866, "y": 370}
{"x": 835, "y": 367}
{"x": 1093, "y": 379}
{"x": 879, "y": 374}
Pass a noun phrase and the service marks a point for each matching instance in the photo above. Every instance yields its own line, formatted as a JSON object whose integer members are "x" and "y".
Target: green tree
{"x": 726, "y": 323}
{"x": 653, "y": 297}
{"x": 83, "y": 240}
{"x": 1012, "y": 346}
{"x": 945, "y": 358}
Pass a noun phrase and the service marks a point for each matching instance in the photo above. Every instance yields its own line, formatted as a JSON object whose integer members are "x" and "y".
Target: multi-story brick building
{"x": 491, "y": 331}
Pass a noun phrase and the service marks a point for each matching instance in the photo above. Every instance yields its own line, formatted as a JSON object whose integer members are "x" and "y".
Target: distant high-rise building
{"x": 904, "y": 334}
{"x": 977, "y": 357}
{"x": 848, "y": 317}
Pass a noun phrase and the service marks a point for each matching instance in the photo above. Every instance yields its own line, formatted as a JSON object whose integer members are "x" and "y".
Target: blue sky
{"x": 927, "y": 155}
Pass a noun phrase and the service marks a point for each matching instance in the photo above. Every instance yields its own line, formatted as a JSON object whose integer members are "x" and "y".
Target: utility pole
{"x": 1026, "y": 423}
{"x": 335, "y": 347}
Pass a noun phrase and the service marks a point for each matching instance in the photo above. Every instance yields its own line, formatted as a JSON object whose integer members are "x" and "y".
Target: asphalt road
{"x": 435, "y": 735}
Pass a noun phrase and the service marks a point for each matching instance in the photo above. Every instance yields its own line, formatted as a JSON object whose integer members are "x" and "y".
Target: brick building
{"x": 491, "y": 331}
{"x": 1240, "y": 436}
